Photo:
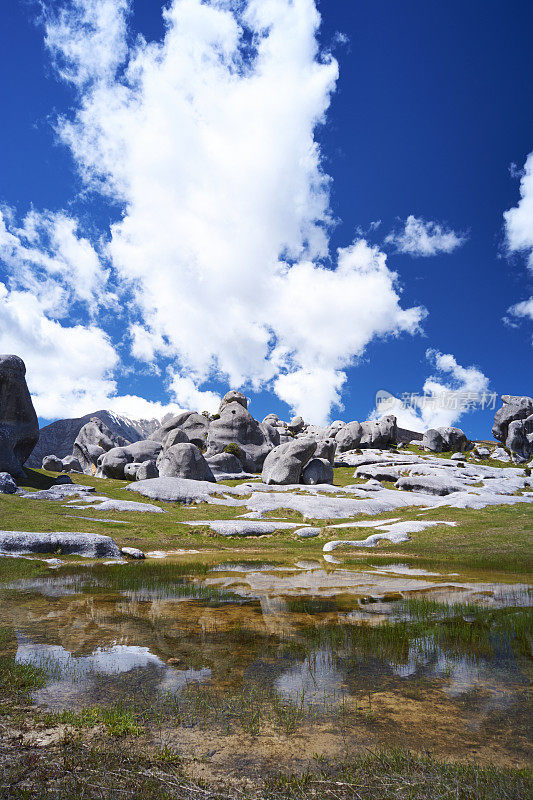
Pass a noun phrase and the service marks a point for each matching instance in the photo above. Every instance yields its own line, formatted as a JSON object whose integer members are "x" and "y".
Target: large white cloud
{"x": 207, "y": 138}
{"x": 519, "y": 233}
{"x": 444, "y": 398}
{"x": 420, "y": 237}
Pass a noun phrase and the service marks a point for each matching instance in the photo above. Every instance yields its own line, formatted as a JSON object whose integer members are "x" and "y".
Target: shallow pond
{"x": 353, "y": 655}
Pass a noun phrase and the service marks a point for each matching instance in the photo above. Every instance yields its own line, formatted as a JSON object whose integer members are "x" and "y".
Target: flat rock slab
{"x": 88, "y": 545}
{"x": 123, "y": 505}
{"x": 244, "y": 527}
{"x": 395, "y": 532}
{"x": 59, "y": 492}
{"x": 178, "y": 490}
{"x": 429, "y": 485}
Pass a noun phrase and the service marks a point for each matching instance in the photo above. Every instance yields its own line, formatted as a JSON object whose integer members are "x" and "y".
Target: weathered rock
{"x": 520, "y": 439}
{"x": 296, "y": 425}
{"x": 499, "y": 454}
{"x": 93, "y": 440}
{"x": 232, "y": 397}
{"x": 113, "y": 463}
{"x": 379, "y": 434}
{"x": 446, "y": 439}
{"x": 243, "y": 527}
{"x": 146, "y": 470}
{"x": 176, "y": 490}
{"x": 19, "y": 428}
{"x": 428, "y": 485}
{"x": 71, "y": 464}
{"x": 132, "y": 552}
{"x": 308, "y": 533}
{"x": 481, "y": 452}
{"x": 52, "y": 463}
{"x": 130, "y": 470}
{"x": 236, "y": 425}
{"x": 284, "y": 464}
{"x": 325, "y": 448}
{"x": 225, "y": 463}
{"x": 514, "y": 408}
{"x": 317, "y": 470}
{"x": 7, "y": 484}
{"x": 349, "y": 436}
{"x": 63, "y": 480}
{"x": 184, "y": 461}
{"x": 175, "y": 436}
{"x": 89, "y": 545}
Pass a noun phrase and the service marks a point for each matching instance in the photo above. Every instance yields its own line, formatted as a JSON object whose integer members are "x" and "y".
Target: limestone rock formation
{"x": 236, "y": 425}
{"x": 232, "y": 397}
{"x": 284, "y": 464}
{"x": 93, "y": 440}
{"x": 513, "y": 426}
{"x": 184, "y": 461}
{"x": 7, "y": 484}
{"x": 19, "y": 428}
{"x": 317, "y": 470}
{"x": 372, "y": 434}
{"x": 194, "y": 425}
{"x": 446, "y": 439}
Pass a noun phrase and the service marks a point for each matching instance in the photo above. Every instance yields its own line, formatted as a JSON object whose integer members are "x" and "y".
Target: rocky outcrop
{"x": 232, "y": 397}
{"x": 317, "y": 470}
{"x": 371, "y": 434}
{"x": 112, "y": 464}
{"x": 326, "y": 448}
{"x": 19, "y": 428}
{"x": 194, "y": 425}
{"x": 225, "y": 464}
{"x": 184, "y": 461}
{"x": 285, "y": 463}
{"x": 58, "y": 437}
{"x": 236, "y": 425}
{"x": 445, "y": 440}
{"x": 513, "y": 426}
{"x": 7, "y": 484}
{"x": 93, "y": 440}
{"x": 89, "y": 545}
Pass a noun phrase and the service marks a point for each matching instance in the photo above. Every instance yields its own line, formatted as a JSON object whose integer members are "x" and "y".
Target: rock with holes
{"x": 520, "y": 439}
{"x": 19, "y": 429}
{"x": 71, "y": 464}
{"x": 184, "y": 461}
{"x": 232, "y": 397}
{"x": 146, "y": 470}
{"x": 225, "y": 464}
{"x": 317, "y": 470}
{"x": 326, "y": 448}
{"x": 285, "y": 463}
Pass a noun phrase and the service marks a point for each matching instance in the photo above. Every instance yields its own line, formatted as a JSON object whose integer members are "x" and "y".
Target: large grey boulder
{"x": 284, "y": 464}
{"x": 372, "y": 434}
{"x": 194, "y": 425}
{"x": 428, "y": 484}
{"x": 236, "y": 425}
{"x": 7, "y": 484}
{"x": 349, "y": 436}
{"x": 317, "y": 470}
{"x": 232, "y": 397}
{"x": 184, "y": 461}
{"x": 514, "y": 408}
{"x": 520, "y": 439}
{"x": 19, "y": 428}
{"x": 296, "y": 425}
{"x": 446, "y": 439}
{"x": 89, "y": 545}
{"x": 225, "y": 464}
{"x": 53, "y": 463}
{"x": 71, "y": 464}
{"x": 146, "y": 470}
{"x": 113, "y": 463}
{"x": 326, "y": 448}
{"x": 93, "y": 440}
{"x": 175, "y": 436}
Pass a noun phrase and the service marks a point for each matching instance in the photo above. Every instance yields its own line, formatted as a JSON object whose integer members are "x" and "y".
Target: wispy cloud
{"x": 419, "y": 237}
{"x": 518, "y": 222}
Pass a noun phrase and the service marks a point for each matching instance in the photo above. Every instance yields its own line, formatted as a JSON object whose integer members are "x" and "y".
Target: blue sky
{"x": 232, "y": 169}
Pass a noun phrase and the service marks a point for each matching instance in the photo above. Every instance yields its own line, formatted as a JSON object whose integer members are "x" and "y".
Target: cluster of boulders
{"x": 230, "y": 443}
{"x": 513, "y": 426}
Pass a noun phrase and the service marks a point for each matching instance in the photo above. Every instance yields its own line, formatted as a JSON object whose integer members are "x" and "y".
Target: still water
{"x": 396, "y": 655}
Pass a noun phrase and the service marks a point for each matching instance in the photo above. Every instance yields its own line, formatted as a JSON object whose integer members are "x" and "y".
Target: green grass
{"x": 117, "y": 720}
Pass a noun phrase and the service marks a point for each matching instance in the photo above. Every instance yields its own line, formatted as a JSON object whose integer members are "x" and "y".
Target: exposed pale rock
{"x": 53, "y": 463}
{"x": 326, "y": 448}
{"x": 445, "y": 439}
{"x": 7, "y": 484}
{"x": 514, "y": 408}
{"x": 232, "y": 397}
{"x": 19, "y": 428}
{"x": 132, "y": 552}
{"x": 428, "y": 484}
{"x": 243, "y": 527}
{"x": 184, "y": 461}
{"x": 236, "y": 425}
{"x": 93, "y": 440}
{"x": 88, "y": 545}
{"x": 317, "y": 471}
{"x": 285, "y": 463}
{"x": 225, "y": 463}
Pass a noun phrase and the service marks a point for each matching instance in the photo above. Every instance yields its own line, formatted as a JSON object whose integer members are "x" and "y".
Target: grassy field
{"x": 497, "y": 539}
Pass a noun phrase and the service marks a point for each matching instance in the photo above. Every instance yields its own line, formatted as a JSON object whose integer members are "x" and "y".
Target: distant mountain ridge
{"x": 58, "y": 437}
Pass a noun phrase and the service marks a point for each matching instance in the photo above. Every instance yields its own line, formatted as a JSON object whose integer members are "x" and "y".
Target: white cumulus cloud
{"x": 518, "y": 222}
{"x": 207, "y": 139}
{"x": 419, "y": 237}
{"x": 444, "y": 399}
